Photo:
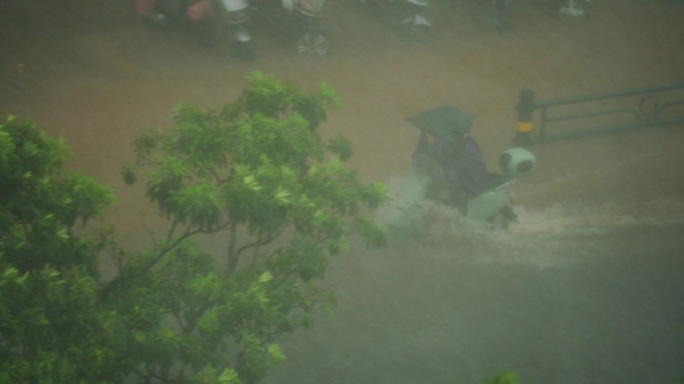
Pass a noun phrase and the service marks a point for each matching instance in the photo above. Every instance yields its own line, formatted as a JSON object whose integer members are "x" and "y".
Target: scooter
{"x": 493, "y": 204}
{"x": 301, "y": 17}
{"x": 405, "y": 15}
{"x": 227, "y": 17}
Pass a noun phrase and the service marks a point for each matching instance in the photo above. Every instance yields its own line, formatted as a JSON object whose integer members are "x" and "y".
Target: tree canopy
{"x": 254, "y": 174}
{"x": 49, "y": 331}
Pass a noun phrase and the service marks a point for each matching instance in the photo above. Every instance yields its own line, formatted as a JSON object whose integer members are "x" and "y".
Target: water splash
{"x": 541, "y": 237}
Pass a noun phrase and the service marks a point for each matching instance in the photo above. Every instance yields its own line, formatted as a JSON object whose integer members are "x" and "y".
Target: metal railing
{"x": 599, "y": 113}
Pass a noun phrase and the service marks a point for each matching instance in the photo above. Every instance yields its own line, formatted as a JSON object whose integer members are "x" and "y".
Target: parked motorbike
{"x": 575, "y": 9}
{"x": 405, "y": 15}
{"x": 496, "y": 12}
{"x": 493, "y": 204}
{"x": 299, "y": 16}
{"x": 227, "y": 18}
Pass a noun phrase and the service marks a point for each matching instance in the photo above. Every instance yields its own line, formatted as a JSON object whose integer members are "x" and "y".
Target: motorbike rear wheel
{"x": 499, "y": 222}
{"x": 503, "y": 219}
{"x": 565, "y": 9}
{"x": 242, "y": 51}
{"x": 314, "y": 43}
{"x": 418, "y": 32}
{"x": 574, "y": 9}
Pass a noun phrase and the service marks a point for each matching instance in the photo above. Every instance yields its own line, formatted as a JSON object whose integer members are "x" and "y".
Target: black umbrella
{"x": 444, "y": 122}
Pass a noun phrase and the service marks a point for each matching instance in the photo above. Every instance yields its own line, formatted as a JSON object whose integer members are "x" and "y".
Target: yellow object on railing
{"x": 525, "y": 126}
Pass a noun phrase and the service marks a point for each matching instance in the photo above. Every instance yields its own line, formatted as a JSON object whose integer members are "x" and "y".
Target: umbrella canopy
{"x": 444, "y": 122}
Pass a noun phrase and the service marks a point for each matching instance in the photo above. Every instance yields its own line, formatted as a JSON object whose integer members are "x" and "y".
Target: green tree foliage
{"x": 256, "y": 175}
{"x": 508, "y": 377}
{"x": 49, "y": 330}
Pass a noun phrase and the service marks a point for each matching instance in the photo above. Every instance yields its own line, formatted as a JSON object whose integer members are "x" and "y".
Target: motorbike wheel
{"x": 500, "y": 222}
{"x": 314, "y": 43}
{"x": 420, "y": 33}
{"x": 503, "y": 219}
{"x": 156, "y": 19}
{"x": 565, "y": 9}
{"x": 574, "y": 9}
{"x": 242, "y": 51}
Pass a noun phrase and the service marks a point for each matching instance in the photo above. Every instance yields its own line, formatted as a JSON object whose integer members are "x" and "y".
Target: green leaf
{"x": 509, "y": 377}
{"x": 20, "y": 280}
{"x": 265, "y": 277}
{"x": 229, "y": 376}
{"x": 62, "y": 234}
{"x": 341, "y": 146}
{"x": 128, "y": 173}
{"x": 250, "y": 182}
{"x": 282, "y": 196}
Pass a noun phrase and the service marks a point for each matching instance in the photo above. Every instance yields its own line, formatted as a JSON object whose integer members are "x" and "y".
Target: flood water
{"x": 586, "y": 288}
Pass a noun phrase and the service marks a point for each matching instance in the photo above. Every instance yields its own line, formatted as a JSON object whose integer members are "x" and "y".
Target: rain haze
{"x": 585, "y": 288}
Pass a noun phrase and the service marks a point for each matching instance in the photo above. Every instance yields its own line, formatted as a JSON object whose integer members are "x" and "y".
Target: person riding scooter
{"x": 451, "y": 165}
{"x": 449, "y": 170}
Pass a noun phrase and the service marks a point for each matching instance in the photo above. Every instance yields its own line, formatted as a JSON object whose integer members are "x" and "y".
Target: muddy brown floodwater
{"x": 586, "y": 288}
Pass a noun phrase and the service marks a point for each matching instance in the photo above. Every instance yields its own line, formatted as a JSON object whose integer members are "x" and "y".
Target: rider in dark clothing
{"x": 462, "y": 164}
{"x": 453, "y": 165}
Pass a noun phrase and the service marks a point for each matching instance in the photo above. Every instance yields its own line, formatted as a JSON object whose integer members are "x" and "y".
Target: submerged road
{"x": 587, "y": 288}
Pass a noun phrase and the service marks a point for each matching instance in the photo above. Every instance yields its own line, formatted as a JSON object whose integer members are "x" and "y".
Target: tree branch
{"x": 232, "y": 257}
{"x": 162, "y": 252}
{"x": 261, "y": 241}
{"x": 172, "y": 229}
{"x": 147, "y": 229}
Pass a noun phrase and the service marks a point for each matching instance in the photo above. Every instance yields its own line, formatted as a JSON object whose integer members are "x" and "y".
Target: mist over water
{"x": 571, "y": 293}
{"x": 567, "y": 295}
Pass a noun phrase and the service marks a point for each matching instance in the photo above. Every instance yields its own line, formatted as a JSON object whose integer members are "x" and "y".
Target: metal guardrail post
{"x": 649, "y": 111}
{"x": 525, "y": 108}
